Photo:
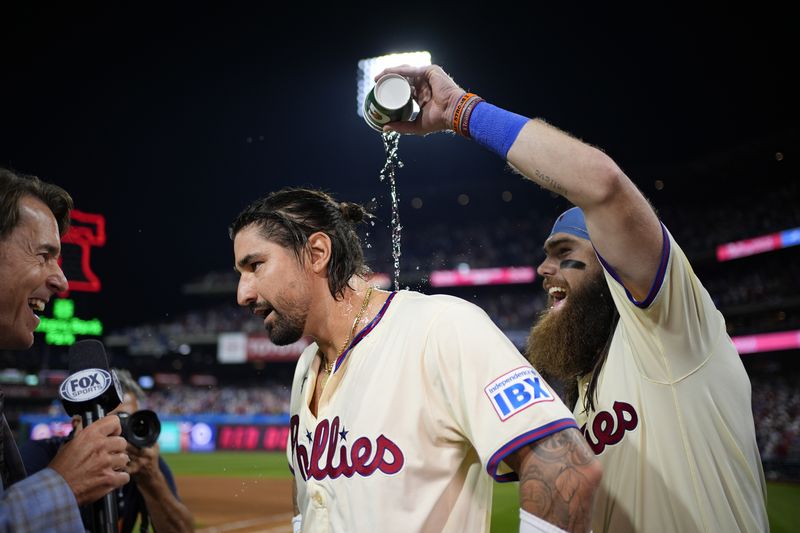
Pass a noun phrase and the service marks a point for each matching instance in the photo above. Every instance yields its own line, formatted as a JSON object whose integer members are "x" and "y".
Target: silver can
{"x": 388, "y": 101}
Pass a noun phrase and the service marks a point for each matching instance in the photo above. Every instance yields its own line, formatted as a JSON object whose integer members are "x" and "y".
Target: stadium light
{"x": 146, "y": 382}
{"x": 371, "y": 67}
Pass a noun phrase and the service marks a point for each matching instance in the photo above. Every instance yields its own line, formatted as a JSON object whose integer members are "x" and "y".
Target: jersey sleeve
{"x": 490, "y": 392}
{"x": 672, "y": 329}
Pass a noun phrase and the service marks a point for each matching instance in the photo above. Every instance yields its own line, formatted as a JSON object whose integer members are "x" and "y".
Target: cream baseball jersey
{"x": 673, "y": 424}
{"x": 415, "y": 421}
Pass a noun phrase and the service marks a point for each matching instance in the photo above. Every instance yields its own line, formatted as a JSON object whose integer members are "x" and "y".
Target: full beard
{"x": 285, "y": 329}
{"x": 567, "y": 344}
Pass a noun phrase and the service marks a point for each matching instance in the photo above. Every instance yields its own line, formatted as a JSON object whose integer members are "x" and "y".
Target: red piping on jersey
{"x": 364, "y": 332}
{"x": 518, "y": 442}
{"x": 660, "y": 274}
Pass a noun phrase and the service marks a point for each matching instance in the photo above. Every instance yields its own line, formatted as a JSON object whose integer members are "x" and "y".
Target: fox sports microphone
{"x": 91, "y": 389}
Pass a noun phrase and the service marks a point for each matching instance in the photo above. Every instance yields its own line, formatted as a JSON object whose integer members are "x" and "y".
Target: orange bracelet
{"x": 464, "y": 108}
{"x": 459, "y": 109}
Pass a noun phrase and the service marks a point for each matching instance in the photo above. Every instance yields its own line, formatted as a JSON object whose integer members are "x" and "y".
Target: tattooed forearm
{"x": 568, "y": 445}
{"x": 549, "y": 183}
{"x": 558, "y": 476}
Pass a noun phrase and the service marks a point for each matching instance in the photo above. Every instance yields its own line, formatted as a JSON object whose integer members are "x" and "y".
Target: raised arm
{"x": 558, "y": 478}
{"x": 623, "y": 227}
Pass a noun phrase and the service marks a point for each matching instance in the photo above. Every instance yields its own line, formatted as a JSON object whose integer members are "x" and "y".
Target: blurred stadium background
{"x": 221, "y": 388}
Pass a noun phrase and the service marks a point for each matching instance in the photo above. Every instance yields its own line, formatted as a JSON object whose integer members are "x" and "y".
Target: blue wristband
{"x": 495, "y": 128}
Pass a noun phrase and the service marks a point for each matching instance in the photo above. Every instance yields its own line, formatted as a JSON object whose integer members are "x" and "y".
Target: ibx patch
{"x": 517, "y": 390}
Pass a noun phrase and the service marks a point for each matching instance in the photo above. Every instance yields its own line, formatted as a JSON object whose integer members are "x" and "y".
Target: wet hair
{"x": 14, "y": 187}
{"x": 290, "y": 216}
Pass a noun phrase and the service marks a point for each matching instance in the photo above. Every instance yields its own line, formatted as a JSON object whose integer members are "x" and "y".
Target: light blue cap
{"x": 573, "y": 222}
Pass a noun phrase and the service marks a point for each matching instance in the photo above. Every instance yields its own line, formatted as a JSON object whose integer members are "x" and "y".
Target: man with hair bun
{"x": 405, "y": 406}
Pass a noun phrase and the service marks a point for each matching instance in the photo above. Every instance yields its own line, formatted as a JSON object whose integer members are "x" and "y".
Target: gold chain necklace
{"x": 327, "y": 367}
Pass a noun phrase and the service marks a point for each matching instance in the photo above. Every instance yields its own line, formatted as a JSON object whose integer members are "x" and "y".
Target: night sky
{"x": 169, "y": 120}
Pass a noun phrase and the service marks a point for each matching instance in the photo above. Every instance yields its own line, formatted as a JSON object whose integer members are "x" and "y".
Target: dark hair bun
{"x": 352, "y": 212}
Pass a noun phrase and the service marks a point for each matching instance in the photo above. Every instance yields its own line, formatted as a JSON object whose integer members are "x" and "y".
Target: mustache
{"x": 568, "y": 344}
{"x": 257, "y": 307}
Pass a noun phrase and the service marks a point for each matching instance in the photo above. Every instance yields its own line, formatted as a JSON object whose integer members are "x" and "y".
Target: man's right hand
{"x": 93, "y": 462}
{"x": 435, "y": 92}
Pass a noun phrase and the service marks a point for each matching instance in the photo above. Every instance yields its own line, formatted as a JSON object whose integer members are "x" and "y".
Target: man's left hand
{"x": 143, "y": 464}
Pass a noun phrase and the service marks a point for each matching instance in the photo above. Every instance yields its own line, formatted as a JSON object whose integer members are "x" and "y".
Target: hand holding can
{"x": 436, "y": 94}
{"x": 388, "y": 101}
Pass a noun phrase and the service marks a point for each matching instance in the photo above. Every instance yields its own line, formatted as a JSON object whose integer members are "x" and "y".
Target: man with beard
{"x": 662, "y": 396}
{"x": 403, "y": 399}
{"x": 558, "y": 349}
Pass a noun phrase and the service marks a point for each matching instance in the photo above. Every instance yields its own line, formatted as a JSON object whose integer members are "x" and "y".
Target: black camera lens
{"x": 141, "y": 428}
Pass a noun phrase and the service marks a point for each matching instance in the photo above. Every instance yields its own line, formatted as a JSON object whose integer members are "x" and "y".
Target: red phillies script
{"x": 363, "y": 456}
{"x": 609, "y": 428}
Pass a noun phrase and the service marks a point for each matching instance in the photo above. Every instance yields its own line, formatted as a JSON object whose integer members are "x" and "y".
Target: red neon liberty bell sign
{"x": 86, "y": 231}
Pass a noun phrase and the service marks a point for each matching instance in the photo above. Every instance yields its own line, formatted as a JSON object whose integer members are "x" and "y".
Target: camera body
{"x": 141, "y": 428}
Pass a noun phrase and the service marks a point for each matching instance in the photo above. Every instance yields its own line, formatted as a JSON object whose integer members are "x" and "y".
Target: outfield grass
{"x": 229, "y": 464}
{"x": 505, "y": 508}
{"x": 782, "y": 504}
{"x": 782, "y": 508}
{"x": 783, "y": 500}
